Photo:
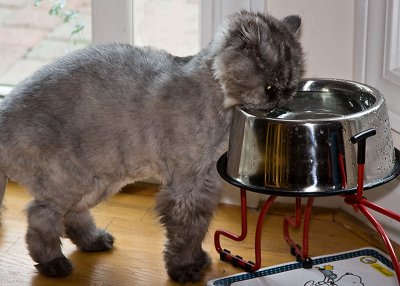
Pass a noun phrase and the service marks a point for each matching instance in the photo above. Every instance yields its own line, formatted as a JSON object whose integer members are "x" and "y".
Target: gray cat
{"x": 81, "y": 128}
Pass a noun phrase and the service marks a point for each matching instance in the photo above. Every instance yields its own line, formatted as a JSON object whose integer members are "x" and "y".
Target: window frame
{"x": 115, "y": 22}
{"x": 112, "y": 23}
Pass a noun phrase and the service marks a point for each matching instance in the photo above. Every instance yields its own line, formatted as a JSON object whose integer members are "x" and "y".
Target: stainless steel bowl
{"x": 305, "y": 146}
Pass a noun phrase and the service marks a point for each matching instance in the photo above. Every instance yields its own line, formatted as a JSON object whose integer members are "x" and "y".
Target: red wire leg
{"x": 230, "y": 235}
{"x": 301, "y": 253}
{"x": 260, "y": 223}
{"x": 306, "y": 227}
{"x": 380, "y": 209}
{"x": 385, "y": 238}
{"x": 237, "y": 260}
{"x": 360, "y": 181}
{"x": 358, "y": 202}
{"x": 294, "y": 223}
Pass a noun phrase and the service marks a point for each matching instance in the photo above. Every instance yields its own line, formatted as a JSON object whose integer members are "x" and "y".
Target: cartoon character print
{"x": 331, "y": 278}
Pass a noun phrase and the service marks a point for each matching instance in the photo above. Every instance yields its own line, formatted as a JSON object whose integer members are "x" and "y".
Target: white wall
{"x": 327, "y": 34}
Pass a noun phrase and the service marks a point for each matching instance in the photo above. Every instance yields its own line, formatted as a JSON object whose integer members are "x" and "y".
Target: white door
{"x": 377, "y": 63}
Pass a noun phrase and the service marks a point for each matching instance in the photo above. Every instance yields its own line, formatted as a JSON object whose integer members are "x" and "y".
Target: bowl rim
{"x": 308, "y": 82}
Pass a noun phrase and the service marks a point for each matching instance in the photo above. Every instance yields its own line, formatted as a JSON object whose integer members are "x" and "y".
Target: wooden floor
{"x": 137, "y": 256}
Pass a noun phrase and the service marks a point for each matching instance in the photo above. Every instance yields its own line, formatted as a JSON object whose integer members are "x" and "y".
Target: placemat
{"x": 361, "y": 267}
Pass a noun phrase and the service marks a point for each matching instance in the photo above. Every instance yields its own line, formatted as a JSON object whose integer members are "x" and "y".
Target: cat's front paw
{"x": 59, "y": 267}
{"x": 190, "y": 272}
{"x": 104, "y": 241}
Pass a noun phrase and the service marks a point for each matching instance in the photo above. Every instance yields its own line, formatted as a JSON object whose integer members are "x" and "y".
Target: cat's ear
{"x": 249, "y": 33}
{"x": 293, "y": 22}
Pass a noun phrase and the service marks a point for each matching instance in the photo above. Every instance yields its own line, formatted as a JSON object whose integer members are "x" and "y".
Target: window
{"x": 176, "y": 25}
{"x": 31, "y": 38}
{"x": 172, "y": 25}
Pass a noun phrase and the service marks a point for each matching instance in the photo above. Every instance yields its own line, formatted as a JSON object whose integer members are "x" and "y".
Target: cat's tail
{"x": 3, "y": 183}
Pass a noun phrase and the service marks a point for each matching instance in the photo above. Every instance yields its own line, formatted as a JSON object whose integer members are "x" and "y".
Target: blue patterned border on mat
{"x": 274, "y": 270}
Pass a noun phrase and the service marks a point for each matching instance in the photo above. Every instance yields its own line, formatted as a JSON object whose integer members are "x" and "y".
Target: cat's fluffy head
{"x": 258, "y": 59}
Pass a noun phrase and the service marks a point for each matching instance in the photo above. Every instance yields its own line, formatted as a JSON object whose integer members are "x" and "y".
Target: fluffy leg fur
{"x": 43, "y": 239}
{"x": 185, "y": 210}
{"x": 81, "y": 229}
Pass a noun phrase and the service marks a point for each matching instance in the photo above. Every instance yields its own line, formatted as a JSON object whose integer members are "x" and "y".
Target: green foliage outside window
{"x": 59, "y": 9}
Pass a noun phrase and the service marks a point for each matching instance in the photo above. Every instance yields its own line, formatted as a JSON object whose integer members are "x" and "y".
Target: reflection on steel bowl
{"x": 305, "y": 145}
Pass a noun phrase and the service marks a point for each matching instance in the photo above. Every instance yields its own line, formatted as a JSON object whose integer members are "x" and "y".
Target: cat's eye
{"x": 271, "y": 92}
{"x": 269, "y": 89}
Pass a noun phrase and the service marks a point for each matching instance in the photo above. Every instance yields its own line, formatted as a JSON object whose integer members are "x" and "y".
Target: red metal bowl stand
{"x": 356, "y": 200}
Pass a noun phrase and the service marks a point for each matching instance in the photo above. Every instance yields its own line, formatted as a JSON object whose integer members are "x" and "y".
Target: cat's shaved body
{"x": 79, "y": 129}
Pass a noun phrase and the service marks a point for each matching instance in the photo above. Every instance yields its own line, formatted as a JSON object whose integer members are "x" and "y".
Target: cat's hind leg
{"x": 45, "y": 228}
{"x": 185, "y": 210}
{"x": 81, "y": 229}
